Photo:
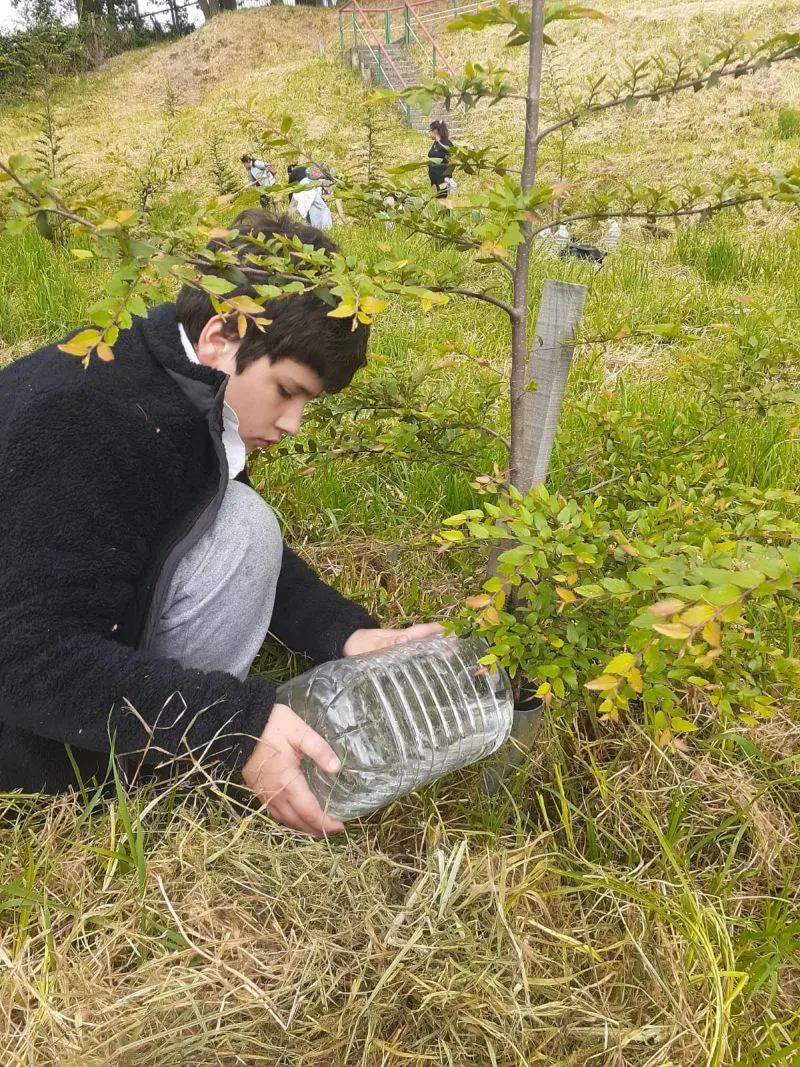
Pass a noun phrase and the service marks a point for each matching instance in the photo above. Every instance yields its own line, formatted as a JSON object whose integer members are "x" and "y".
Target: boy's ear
{"x": 216, "y": 347}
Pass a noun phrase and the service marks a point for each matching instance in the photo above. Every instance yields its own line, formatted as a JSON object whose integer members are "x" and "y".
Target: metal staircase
{"x": 385, "y": 52}
{"x": 404, "y": 66}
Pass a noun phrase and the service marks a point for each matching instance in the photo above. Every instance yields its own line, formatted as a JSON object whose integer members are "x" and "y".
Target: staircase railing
{"x": 400, "y": 22}
{"x": 411, "y": 21}
{"x": 387, "y": 73}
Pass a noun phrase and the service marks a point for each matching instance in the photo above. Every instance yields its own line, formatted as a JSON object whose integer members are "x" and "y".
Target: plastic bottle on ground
{"x": 613, "y": 235}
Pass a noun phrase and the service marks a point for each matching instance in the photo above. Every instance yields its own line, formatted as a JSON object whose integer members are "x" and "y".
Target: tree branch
{"x": 656, "y": 94}
{"x": 479, "y": 428}
{"x": 461, "y": 242}
{"x": 61, "y": 208}
{"x": 679, "y": 212}
{"x": 512, "y": 312}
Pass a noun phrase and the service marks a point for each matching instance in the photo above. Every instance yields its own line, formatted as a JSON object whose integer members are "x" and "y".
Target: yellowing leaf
{"x": 343, "y": 311}
{"x": 241, "y": 324}
{"x": 105, "y": 352}
{"x": 373, "y": 304}
{"x": 712, "y": 634}
{"x": 675, "y": 630}
{"x": 667, "y": 607}
{"x": 621, "y": 664}
{"x": 74, "y": 350}
{"x": 88, "y": 337}
{"x": 125, "y": 216}
{"x": 601, "y": 683}
{"x": 675, "y": 744}
{"x": 492, "y": 248}
{"x": 80, "y": 344}
{"x": 634, "y": 679}
{"x": 698, "y": 614}
{"x": 731, "y": 614}
{"x": 482, "y": 600}
{"x": 246, "y": 304}
{"x": 708, "y": 658}
{"x": 566, "y": 595}
{"x": 491, "y": 615}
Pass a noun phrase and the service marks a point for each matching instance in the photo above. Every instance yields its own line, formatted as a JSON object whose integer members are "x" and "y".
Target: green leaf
{"x": 746, "y": 579}
{"x": 141, "y": 249}
{"x": 615, "y": 585}
{"x": 722, "y": 595}
{"x": 136, "y": 305}
{"x": 683, "y": 725}
{"x": 589, "y": 590}
{"x": 212, "y": 283}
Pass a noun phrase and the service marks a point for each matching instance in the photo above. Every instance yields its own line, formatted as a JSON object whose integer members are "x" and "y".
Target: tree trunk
{"x": 210, "y": 8}
{"x": 519, "y": 325}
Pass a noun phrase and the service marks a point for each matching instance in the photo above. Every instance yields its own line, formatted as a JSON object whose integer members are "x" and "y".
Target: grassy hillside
{"x": 621, "y": 905}
{"x": 691, "y": 137}
{"x": 179, "y": 94}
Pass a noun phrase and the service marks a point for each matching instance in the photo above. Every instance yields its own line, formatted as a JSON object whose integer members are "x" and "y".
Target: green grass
{"x": 788, "y": 123}
{"x": 618, "y": 905}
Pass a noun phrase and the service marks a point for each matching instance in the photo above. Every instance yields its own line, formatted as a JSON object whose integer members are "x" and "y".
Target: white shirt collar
{"x": 235, "y": 450}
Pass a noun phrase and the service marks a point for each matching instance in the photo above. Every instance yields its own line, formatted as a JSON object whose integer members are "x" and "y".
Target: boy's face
{"x": 268, "y": 398}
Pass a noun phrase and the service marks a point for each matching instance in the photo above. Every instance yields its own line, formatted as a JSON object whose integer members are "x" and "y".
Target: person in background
{"x": 258, "y": 171}
{"x": 440, "y": 170}
{"x": 309, "y": 203}
{"x": 297, "y": 172}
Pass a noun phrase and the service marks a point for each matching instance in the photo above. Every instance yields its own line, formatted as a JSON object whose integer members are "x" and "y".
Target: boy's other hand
{"x": 273, "y": 772}
{"x": 371, "y": 640}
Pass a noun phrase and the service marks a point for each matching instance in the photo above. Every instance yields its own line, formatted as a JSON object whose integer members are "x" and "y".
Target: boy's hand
{"x": 273, "y": 772}
{"x": 371, "y": 640}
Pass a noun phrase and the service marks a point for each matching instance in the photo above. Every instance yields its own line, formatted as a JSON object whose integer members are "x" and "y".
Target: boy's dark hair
{"x": 247, "y": 159}
{"x": 300, "y": 327}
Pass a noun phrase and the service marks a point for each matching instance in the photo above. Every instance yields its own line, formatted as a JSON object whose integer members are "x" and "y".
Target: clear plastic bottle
{"x": 613, "y": 235}
{"x": 400, "y": 718}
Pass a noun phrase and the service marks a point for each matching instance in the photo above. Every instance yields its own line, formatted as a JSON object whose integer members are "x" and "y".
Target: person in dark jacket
{"x": 440, "y": 168}
{"x": 139, "y": 570}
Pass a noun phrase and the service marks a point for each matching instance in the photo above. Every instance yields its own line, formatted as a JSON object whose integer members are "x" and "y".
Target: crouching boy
{"x": 140, "y": 572}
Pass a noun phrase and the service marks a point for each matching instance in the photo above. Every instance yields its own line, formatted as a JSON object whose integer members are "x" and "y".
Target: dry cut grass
{"x": 606, "y": 913}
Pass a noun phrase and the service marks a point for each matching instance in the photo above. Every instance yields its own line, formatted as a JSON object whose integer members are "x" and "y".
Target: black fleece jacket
{"x": 107, "y": 476}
